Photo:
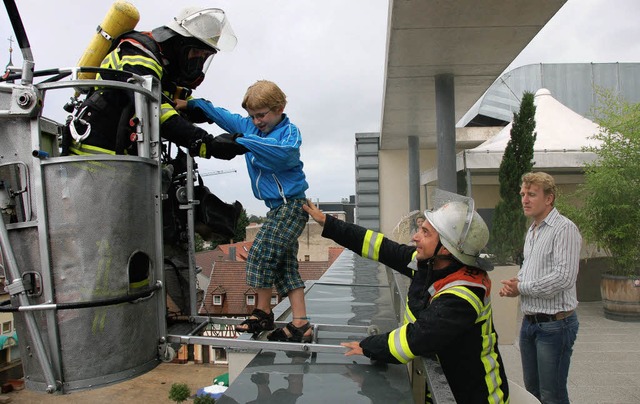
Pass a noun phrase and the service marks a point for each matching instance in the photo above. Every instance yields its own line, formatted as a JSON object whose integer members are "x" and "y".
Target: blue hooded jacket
{"x": 273, "y": 160}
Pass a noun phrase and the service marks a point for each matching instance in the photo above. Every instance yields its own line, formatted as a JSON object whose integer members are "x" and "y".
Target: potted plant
{"x": 608, "y": 214}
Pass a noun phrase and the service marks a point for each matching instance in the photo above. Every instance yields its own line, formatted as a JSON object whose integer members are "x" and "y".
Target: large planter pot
{"x": 620, "y": 297}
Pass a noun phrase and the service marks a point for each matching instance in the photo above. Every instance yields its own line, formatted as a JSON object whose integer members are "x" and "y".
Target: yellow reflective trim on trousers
{"x": 166, "y": 112}
{"x": 371, "y": 245}
{"x": 399, "y": 346}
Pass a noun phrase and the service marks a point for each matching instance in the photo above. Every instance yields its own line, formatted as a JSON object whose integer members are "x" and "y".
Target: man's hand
{"x": 509, "y": 288}
{"x": 354, "y": 348}
{"x": 314, "y": 212}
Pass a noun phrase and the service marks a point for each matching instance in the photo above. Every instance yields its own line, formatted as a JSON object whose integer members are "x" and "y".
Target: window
{"x": 217, "y": 300}
{"x": 6, "y": 327}
{"x": 306, "y": 258}
{"x": 274, "y": 299}
{"x": 251, "y": 300}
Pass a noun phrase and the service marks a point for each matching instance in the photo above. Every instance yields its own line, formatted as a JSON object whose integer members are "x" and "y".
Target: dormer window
{"x": 218, "y": 296}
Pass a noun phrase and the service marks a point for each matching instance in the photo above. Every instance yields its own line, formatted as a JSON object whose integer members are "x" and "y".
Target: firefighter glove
{"x": 198, "y": 147}
{"x": 225, "y": 147}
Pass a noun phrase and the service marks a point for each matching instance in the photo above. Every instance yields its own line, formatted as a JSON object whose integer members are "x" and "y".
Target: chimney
{"x": 232, "y": 253}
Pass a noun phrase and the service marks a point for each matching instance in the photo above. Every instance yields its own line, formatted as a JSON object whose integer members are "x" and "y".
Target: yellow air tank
{"x": 121, "y": 17}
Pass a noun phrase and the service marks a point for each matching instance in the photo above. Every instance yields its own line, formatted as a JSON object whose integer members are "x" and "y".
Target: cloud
{"x": 587, "y": 31}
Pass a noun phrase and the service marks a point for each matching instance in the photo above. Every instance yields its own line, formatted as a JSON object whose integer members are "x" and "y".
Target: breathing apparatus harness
{"x": 78, "y": 126}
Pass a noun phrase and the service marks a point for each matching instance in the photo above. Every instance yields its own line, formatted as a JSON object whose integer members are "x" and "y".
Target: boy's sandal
{"x": 296, "y": 334}
{"x": 258, "y": 322}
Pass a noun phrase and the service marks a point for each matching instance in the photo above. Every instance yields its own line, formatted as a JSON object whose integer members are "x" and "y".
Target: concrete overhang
{"x": 475, "y": 41}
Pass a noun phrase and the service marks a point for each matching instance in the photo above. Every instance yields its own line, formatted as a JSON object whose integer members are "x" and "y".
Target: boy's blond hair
{"x": 264, "y": 94}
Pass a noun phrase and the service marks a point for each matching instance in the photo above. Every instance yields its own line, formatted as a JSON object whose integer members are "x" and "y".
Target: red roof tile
{"x": 228, "y": 279}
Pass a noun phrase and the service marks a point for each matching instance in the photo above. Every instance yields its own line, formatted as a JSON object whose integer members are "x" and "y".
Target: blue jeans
{"x": 545, "y": 349}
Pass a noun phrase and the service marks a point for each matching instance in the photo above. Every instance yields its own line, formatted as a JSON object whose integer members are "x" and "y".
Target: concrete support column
{"x": 413, "y": 152}
{"x": 446, "y": 132}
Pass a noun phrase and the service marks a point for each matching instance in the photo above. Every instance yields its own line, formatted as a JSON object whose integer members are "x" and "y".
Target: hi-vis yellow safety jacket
{"x": 448, "y": 315}
{"x": 108, "y": 110}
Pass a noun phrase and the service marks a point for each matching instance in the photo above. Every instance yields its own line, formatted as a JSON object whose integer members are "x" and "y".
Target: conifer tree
{"x": 509, "y": 223}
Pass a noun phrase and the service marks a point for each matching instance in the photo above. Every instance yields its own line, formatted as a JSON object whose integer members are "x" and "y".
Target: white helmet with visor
{"x": 209, "y": 25}
{"x": 462, "y": 231}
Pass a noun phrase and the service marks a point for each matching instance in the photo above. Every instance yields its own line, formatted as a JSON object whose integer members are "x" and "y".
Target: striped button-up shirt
{"x": 547, "y": 278}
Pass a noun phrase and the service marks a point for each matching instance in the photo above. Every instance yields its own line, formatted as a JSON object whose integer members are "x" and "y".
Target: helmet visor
{"x": 405, "y": 229}
{"x": 211, "y": 27}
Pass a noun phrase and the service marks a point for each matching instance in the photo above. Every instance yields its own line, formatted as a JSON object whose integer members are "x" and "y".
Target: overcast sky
{"x": 327, "y": 56}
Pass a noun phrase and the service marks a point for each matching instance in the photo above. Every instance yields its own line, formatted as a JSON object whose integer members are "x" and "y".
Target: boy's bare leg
{"x": 299, "y": 309}
{"x": 264, "y": 299}
{"x": 263, "y": 303}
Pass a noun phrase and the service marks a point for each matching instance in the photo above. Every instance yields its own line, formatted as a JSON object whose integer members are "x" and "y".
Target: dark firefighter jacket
{"x": 448, "y": 314}
{"x": 108, "y": 110}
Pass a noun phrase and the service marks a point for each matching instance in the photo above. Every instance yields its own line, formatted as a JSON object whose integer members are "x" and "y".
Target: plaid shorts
{"x": 273, "y": 257}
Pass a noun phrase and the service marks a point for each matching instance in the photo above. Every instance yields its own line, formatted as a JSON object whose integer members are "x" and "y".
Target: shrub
{"x": 610, "y": 195}
{"x": 179, "y": 392}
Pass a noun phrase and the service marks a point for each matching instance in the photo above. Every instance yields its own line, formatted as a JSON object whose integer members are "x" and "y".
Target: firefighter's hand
{"x": 180, "y": 104}
{"x": 353, "y": 348}
{"x": 314, "y": 212}
{"x": 225, "y": 147}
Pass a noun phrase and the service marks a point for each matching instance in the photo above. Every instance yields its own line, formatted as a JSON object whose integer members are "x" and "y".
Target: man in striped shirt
{"x": 546, "y": 284}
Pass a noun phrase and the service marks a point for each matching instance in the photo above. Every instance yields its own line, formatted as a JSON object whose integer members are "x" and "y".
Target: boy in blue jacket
{"x": 275, "y": 169}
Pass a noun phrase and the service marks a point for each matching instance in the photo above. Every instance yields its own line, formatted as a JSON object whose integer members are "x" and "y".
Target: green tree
{"x": 509, "y": 223}
{"x": 256, "y": 219}
{"x": 607, "y": 209}
{"x": 199, "y": 243}
{"x": 179, "y": 392}
{"x": 461, "y": 179}
{"x": 241, "y": 227}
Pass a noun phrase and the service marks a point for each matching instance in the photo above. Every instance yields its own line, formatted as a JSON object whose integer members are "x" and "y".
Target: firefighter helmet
{"x": 462, "y": 231}
{"x": 209, "y": 25}
{"x": 190, "y": 41}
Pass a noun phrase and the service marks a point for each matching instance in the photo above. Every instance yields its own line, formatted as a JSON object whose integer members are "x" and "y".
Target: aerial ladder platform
{"x": 78, "y": 233}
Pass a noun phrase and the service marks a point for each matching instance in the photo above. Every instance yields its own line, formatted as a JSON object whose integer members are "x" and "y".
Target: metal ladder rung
{"x": 363, "y": 329}
{"x": 256, "y": 344}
